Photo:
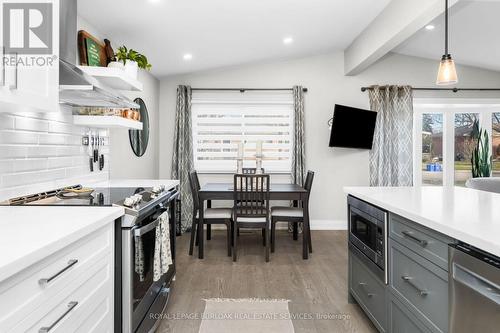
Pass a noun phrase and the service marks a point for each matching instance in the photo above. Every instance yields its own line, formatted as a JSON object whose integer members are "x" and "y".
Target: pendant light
{"x": 447, "y": 73}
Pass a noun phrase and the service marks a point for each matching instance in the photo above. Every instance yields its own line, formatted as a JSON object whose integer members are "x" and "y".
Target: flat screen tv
{"x": 352, "y": 127}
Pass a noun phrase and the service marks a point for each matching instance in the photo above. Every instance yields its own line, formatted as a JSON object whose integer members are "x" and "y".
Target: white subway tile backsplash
{"x": 16, "y": 137}
{"x": 31, "y": 124}
{"x": 41, "y": 151}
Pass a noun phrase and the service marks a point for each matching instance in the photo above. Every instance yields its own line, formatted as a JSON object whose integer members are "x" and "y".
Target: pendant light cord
{"x": 446, "y": 28}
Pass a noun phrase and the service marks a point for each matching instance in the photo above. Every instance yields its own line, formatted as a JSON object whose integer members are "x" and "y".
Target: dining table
{"x": 225, "y": 191}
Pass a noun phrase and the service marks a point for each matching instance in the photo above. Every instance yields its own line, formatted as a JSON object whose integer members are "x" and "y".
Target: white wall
{"x": 124, "y": 163}
{"x": 324, "y": 76}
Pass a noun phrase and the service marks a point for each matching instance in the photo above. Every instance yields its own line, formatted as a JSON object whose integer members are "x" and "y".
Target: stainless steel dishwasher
{"x": 474, "y": 290}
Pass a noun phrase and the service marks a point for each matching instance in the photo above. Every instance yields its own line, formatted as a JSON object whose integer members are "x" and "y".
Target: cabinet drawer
{"x": 427, "y": 243}
{"x": 368, "y": 291}
{"x": 22, "y": 294}
{"x": 402, "y": 320}
{"x": 86, "y": 302}
{"x": 423, "y": 285}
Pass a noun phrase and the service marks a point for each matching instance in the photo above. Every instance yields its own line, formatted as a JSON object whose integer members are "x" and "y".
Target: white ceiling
{"x": 221, "y": 33}
{"x": 474, "y": 30}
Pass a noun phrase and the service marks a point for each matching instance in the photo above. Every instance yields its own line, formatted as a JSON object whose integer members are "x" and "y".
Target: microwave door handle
{"x": 144, "y": 230}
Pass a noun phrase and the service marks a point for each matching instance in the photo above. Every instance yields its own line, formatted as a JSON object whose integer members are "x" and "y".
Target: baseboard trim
{"x": 328, "y": 225}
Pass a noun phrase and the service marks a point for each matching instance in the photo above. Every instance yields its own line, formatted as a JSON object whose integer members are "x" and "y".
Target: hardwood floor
{"x": 315, "y": 287}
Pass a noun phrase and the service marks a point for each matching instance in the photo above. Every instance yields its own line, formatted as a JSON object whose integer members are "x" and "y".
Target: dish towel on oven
{"x": 163, "y": 255}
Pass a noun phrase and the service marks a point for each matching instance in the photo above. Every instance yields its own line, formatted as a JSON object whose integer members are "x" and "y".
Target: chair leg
{"x": 235, "y": 240}
{"x": 267, "y": 240}
{"x": 263, "y": 236}
{"x": 229, "y": 236}
{"x": 209, "y": 232}
{"x": 309, "y": 236}
{"x": 193, "y": 234}
{"x": 238, "y": 231}
{"x": 295, "y": 231}
{"x": 273, "y": 235}
{"x": 197, "y": 238}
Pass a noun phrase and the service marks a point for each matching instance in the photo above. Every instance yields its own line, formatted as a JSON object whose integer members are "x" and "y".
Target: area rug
{"x": 244, "y": 315}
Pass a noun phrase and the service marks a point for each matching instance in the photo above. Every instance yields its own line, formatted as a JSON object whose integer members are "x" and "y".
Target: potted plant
{"x": 130, "y": 60}
{"x": 481, "y": 157}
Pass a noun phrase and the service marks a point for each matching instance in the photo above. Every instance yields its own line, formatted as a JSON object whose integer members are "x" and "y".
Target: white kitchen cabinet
{"x": 71, "y": 290}
{"x": 29, "y": 82}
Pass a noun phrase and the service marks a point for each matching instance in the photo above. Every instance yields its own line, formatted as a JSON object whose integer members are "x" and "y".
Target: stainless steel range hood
{"x": 75, "y": 87}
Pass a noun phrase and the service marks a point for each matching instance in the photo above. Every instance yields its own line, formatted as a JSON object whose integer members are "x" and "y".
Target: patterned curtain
{"x": 391, "y": 158}
{"x": 299, "y": 146}
{"x": 182, "y": 158}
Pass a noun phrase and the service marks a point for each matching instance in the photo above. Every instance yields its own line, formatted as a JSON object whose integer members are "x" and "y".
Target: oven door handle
{"x": 144, "y": 230}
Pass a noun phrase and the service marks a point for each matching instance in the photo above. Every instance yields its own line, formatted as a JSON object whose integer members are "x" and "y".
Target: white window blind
{"x": 220, "y": 120}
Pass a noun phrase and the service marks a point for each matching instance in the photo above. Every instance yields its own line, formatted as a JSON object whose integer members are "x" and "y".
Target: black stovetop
{"x": 100, "y": 197}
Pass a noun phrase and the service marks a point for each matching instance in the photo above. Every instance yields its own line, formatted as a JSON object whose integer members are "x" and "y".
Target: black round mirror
{"x": 139, "y": 139}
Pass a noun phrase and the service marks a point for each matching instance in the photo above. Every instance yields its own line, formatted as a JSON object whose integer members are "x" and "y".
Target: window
{"x": 221, "y": 120}
{"x": 443, "y": 141}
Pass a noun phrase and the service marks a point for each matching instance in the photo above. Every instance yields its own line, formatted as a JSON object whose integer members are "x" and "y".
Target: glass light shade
{"x": 447, "y": 73}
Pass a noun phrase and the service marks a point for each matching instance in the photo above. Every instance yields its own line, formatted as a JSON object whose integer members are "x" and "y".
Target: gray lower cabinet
{"x": 402, "y": 320}
{"x": 368, "y": 290}
{"x": 422, "y": 285}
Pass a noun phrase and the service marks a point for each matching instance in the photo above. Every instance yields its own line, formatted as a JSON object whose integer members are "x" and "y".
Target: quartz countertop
{"x": 30, "y": 234}
{"x": 468, "y": 215}
{"x": 169, "y": 183}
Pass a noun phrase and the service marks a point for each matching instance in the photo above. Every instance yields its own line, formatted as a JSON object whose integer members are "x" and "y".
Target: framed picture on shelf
{"x": 91, "y": 50}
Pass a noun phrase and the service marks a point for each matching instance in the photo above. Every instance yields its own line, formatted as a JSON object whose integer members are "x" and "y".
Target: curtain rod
{"x": 242, "y": 90}
{"x": 363, "y": 89}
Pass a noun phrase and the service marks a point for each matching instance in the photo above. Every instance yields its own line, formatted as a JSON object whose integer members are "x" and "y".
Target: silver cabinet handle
{"x": 409, "y": 235}
{"x": 364, "y": 285}
{"x": 14, "y": 86}
{"x": 46, "y": 329}
{"x": 409, "y": 279}
{"x": 45, "y": 281}
{"x": 3, "y": 66}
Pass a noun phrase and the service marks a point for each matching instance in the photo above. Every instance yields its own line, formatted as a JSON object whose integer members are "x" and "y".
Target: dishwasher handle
{"x": 477, "y": 283}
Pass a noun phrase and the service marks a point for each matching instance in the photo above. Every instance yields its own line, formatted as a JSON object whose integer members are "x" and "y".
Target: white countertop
{"x": 468, "y": 215}
{"x": 29, "y": 234}
{"x": 169, "y": 183}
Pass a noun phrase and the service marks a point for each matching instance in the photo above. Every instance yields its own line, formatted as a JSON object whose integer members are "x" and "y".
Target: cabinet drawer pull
{"x": 409, "y": 235}
{"x": 46, "y": 329}
{"x": 47, "y": 280}
{"x": 409, "y": 279}
{"x": 363, "y": 286}
{"x": 14, "y": 86}
{"x": 3, "y": 66}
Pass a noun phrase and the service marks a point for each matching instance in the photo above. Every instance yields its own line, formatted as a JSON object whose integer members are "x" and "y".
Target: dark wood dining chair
{"x": 293, "y": 215}
{"x": 253, "y": 171}
{"x": 251, "y": 207}
{"x": 210, "y": 215}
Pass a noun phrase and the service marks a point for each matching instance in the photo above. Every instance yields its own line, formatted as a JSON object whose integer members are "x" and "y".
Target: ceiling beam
{"x": 399, "y": 20}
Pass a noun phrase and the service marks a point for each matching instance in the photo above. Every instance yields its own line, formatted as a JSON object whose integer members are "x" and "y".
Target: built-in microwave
{"x": 368, "y": 234}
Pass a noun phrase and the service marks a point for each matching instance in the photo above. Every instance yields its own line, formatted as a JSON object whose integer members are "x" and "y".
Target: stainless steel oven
{"x": 142, "y": 298}
{"x": 368, "y": 234}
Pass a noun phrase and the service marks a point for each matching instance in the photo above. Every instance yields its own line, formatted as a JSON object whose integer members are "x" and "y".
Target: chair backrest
{"x": 251, "y": 195}
{"x": 194, "y": 183}
{"x": 252, "y": 171}
{"x": 309, "y": 181}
